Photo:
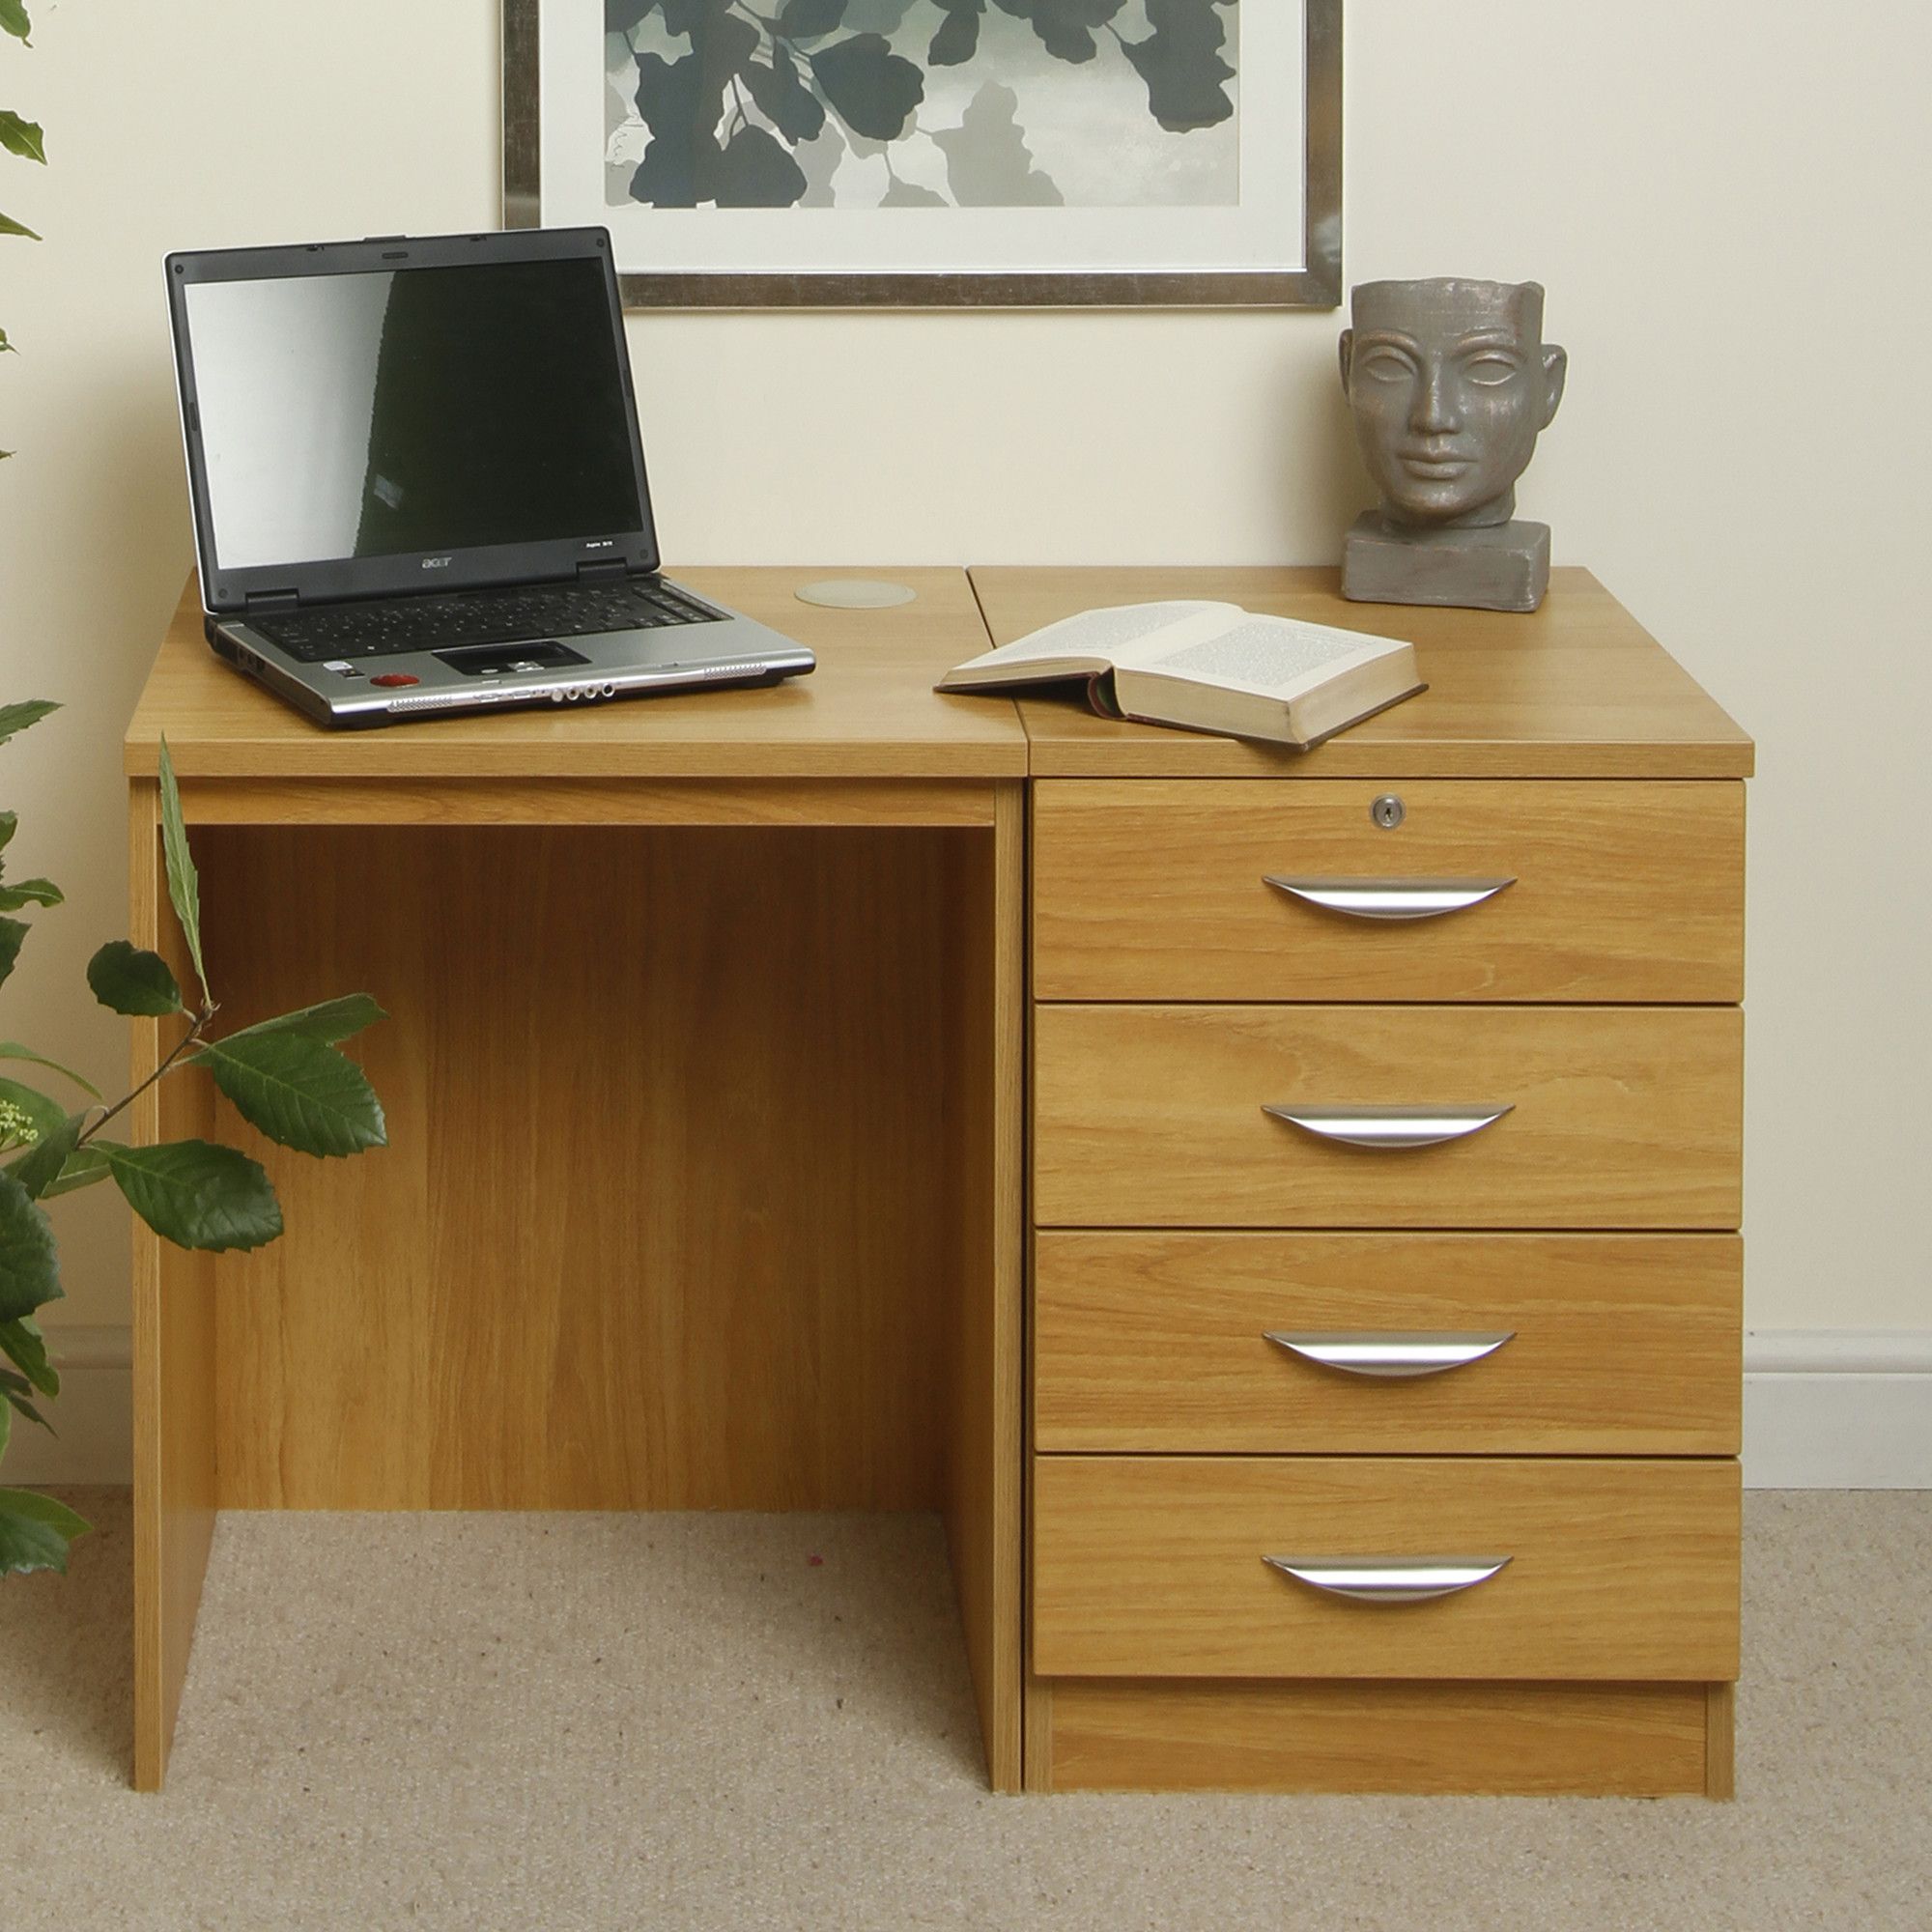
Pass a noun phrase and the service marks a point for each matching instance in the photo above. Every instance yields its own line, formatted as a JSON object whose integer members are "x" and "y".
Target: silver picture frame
{"x": 1316, "y": 284}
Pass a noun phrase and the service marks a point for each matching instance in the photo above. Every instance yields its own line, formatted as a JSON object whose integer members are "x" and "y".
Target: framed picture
{"x": 930, "y": 153}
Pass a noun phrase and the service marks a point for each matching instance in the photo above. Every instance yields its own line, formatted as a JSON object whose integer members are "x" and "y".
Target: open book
{"x": 1207, "y": 668}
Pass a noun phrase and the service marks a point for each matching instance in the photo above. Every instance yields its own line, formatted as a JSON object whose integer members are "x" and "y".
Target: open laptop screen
{"x": 416, "y": 410}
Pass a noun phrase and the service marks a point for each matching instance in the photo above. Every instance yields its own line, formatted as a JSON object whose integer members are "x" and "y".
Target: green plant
{"x": 284, "y": 1076}
{"x": 18, "y": 136}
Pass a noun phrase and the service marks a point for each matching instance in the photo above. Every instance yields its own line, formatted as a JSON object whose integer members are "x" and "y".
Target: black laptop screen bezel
{"x": 330, "y": 580}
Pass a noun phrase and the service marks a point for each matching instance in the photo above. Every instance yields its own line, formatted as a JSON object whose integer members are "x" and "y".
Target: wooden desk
{"x": 1577, "y": 689}
{"x": 703, "y": 1080}
{"x": 1193, "y": 1257}
{"x": 708, "y": 1079}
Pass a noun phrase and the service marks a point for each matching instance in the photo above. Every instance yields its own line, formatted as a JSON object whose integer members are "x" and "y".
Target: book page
{"x": 1098, "y": 634}
{"x": 1273, "y": 657}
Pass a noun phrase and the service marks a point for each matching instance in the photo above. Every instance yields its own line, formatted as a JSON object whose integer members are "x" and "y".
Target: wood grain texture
{"x": 1516, "y": 1740}
{"x": 983, "y": 1369}
{"x": 1038, "y": 1706}
{"x": 1154, "y": 1566}
{"x": 868, "y": 711}
{"x": 1623, "y": 1343}
{"x": 174, "y": 1364}
{"x": 1157, "y": 890}
{"x": 1720, "y": 1767}
{"x": 887, "y": 802}
{"x": 666, "y": 1217}
{"x": 1624, "y": 1117}
{"x": 1577, "y": 690}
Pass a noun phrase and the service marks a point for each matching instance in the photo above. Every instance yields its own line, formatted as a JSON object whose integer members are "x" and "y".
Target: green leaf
{"x": 873, "y": 90}
{"x": 23, "y": 137}
{"x": 84, "y": 1167}
{"x": 13, "y": 20}
{"x": 1065, "y": 27}
{"x": 12, "y": 1049}
{"x": 30, "y": 892}
{"x": 46, "y": 1115}
{"x": 15, "y": 1389}
{"x": 13, "y": 936}
{"x": 756, "y": 170}
{"x": 9, "y": 226}
{"x": 298, "y": 1090}
{"x": 29, "y": 1263}
{"x": 805, "y": 19}
{"x": 331, "y": 1020}
{"x": 18, "y": 717}
{"x": 1181, "y": 62}
{"x": 40, "y": 1167}
{"x": 9, "y": 823}
{"x": 23, "y": 1344}
{"x": 35, "y": 1531}
{"x": 7, "y": 346}
{"x": 127, "y": 978}
{"x": 784, "y": 98}
{"x": 183, "y": 886}
{"x": 957, "y": 40}
{"x": 195, "y": 1194}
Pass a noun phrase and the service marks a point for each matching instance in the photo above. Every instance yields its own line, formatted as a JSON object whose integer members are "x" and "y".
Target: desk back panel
{"x": 665, "y": 1220}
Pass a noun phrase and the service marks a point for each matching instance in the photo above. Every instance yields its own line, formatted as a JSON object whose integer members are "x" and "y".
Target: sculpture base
{"x": 1505, "y": 567}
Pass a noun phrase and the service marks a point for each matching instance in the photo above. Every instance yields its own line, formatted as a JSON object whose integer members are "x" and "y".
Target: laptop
{"x": 418, "y": 482}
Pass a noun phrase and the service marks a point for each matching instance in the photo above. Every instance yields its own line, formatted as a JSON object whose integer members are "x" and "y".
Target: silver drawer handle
{"x": 1389, "y": 1580}
{"x": 1391, "y": 898}
{"x": 1391, "y": 1355}
{"x": 1391, "y": 1127}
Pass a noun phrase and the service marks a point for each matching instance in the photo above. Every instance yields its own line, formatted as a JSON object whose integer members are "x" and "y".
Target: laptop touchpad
{"x": 506, "y": 660}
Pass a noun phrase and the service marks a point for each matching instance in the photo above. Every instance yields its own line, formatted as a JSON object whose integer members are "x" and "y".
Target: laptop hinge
{"x": 269, "y": 600}
{"x": 598, "y": 572}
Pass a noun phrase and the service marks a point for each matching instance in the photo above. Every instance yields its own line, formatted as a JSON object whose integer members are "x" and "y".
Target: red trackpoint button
{"x": 395, "y": 677}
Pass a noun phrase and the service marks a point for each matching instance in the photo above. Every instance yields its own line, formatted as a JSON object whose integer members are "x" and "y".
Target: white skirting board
{"x": 93, "y": 1414}
{"x": 1825, "y": 1409}
{"x": 1838, "y": 1408}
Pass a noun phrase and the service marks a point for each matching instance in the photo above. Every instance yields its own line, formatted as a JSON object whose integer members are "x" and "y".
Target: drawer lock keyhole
{"x": 1388, "y": 811}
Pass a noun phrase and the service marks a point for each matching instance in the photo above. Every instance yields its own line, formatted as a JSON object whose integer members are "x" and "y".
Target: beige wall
{"x": 1728, "y": 204}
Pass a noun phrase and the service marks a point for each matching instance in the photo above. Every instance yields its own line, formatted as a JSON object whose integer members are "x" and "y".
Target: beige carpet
{"x": 673, "y": 1721}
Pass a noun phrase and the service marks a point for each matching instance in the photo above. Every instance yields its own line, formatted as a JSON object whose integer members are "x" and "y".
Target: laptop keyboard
{"x": 386, "y": 627}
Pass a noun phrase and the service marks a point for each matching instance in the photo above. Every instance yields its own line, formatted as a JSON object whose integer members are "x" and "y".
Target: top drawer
{"x": 1159, "y": 889}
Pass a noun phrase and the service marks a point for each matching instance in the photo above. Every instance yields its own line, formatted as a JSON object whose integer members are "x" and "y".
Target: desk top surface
{"x": 1577, "y": 689}
{"x": 868, "y": 711}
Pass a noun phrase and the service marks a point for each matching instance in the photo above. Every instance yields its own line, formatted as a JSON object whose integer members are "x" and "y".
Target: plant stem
{"x": 196, "y": 1028}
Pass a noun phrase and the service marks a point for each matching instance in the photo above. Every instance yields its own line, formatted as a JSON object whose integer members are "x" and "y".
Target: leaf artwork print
{"x": 921, "y": 103}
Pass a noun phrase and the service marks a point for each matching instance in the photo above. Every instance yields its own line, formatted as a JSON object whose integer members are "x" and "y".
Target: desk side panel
{"x": 985, "y": 1086}
{"x": 174, "y": 1348}
{"x": 664, "y": 1219}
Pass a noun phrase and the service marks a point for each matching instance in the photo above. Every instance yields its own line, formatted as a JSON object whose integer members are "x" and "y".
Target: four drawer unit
{"x": 1385, "y": 1278}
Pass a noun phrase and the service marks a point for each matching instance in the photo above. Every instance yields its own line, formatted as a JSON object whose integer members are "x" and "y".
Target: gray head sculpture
{"x": 1451, "y": 384}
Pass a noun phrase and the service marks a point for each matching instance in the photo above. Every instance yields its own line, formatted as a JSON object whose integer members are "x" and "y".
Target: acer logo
{"x": 437, "y": 562}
